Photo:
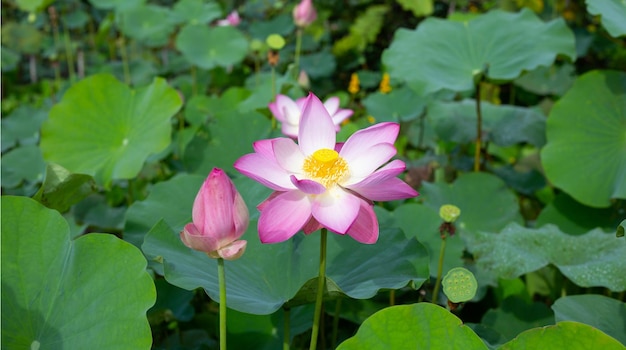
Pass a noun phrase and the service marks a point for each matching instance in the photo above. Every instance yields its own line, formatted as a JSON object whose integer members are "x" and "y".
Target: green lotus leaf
{"x": 32, "y": 5}
{"x": 515, "y": 315}
{"x": 22, "y": 126}
{"x": 548, "y": 80}
{"x": 212, "y": 47}
{"x": 576, "y": 335}
{"x": 21, "y": 37}
{"x": 603, "y": 313}
{"x": 613, "y": 13}
{"x": 10, "y": 60}
{"x": 468, "y": 193}
{"x": 621, "y": 228}
{"x": 22, "y": 164}
{"x": 62, "y": 189}
{"x": 57, "y": 293}
{"x": 417, "y": 326}
{"x": 195, "y": 12}
{"x": 104, "y": 129}
{"x": 574, "y": 218}
{"x": 75, "y": 19}
{"x": 117, "y": 5}
{"x": 269, "y": 275}
{"x": 585, "y": 154}
{"x": 147, "y": 23}
{"x": 502, "y": 125}
{"x": 591, "y": 259}
{"x": 398, "y": 105}
{"x": 419, "y": 8}
{"x": 443, "y": 54}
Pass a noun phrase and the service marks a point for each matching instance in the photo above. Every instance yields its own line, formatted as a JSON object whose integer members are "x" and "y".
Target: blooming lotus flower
{"x": 319, "y": 183}
{"x": 232, "y": 19}
{"x": 304, "y": 13}
{"x": 220, "y": 217}
{"x": 289, "y": 113}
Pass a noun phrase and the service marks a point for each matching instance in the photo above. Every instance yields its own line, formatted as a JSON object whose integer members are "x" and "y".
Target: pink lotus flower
{"x": 289, "y": 113}
{"x": 304, "y": 13}
{"x": 232, "y": 19}
{"x": 320, "y": 183}
{"x": 220, "y": 217}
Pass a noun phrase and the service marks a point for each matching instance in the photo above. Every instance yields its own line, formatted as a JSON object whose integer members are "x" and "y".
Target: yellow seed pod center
{"x": 325, "y": 166}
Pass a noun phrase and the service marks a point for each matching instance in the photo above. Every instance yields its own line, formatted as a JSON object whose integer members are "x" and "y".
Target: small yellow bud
{"x": 449, "y": 213}
{"x": 384, "y": 86}
{"x": 353, "y": 88}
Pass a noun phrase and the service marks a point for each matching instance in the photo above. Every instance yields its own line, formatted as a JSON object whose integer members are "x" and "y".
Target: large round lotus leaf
{"x": 195, "y": 12}
{"x": 586, "y": 150}
{"x": 417, "y": 326}
{"x": 89, "y": 293}
{"x": 147, "y": 23}
{"x": 572, "y": 335}
{"x": 574, "y": 218}
{"x": 209, "y": 47}
{"x": 551, "y": 80}
{"x": 486, "y": 203}
{"x": 104, "y": 129}
{"x": 501, "y": 125}
{"x": 604, "y": 313}
{"x": 613, "y": 13}
{"x": 589, "y": 260}
{"x": 269, "y": 275}
{"x": 442, "y": 54}
{"x": 515, "y": 315}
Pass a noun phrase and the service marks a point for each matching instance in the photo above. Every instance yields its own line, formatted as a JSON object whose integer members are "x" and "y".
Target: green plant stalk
{"x": 442, "y": 253}
{"x": 479, "y": 121}
{"x": 392, "y": 297}
{"x": 296, "y": 61}
{"x": 333, "y": 340}
{"x": 221, "y": 276}
{"x": 124, "y": 55}
{"x": 286, "y": 320}
{"x": 68, "y": 56}
{"x": 321, "y": 279}
{"x": 57, "y": 69}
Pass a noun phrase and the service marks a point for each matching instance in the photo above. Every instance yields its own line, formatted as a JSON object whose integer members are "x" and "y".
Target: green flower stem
{"x": 68, "y": 56}
{"x": 479, "y": 121}
{"x": 321, "y": 279}
{"x": 286, "y": 313}
{"x": 392, "y": 297}
{"x": 296, "y": 61}
{"x": 336, "y": 324}
{"x": 442, "y": 253}
{"x": 221, "y": 276}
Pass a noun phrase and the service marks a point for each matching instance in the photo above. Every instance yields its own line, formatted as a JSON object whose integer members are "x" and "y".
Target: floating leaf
{"x": 502, "y": 125}
{"x": 22, "y": 126}
{"x": 589, "y": 260}
{"x": 613, "y": 13}
{"x": 221, "y": 46}
{"x": 603, "y": 313}
{"x": 585, "y": 154}
{"x": 269, "y": 275}
{"x": 195, "y": 12}
{"x": 417, "y": 326}
{"x": 576, "y": 335}
{"x": 147, "y": 23}
{"x": 89, "y": 293}
{"x": 62, "y": 189}
{"x": 442, "y": 54}
{"x": 104, "y": 129}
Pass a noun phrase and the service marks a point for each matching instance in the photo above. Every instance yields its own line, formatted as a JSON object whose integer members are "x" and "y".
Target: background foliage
{"x": 114, "y": 111}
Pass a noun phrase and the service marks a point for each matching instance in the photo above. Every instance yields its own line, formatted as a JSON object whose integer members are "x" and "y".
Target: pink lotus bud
{"x": 232, "y": 19}
{"x": 220, "y": 217}
{"x": 304, "y": 13}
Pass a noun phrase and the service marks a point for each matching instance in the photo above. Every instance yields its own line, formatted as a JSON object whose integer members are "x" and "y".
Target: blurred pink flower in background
{"x": 304, "y": 13}
{"x": 220, "y": 217}
{"x": 289, "y": 113}
{"x": 320, "y": 183}
{"x": 232, "y": 19}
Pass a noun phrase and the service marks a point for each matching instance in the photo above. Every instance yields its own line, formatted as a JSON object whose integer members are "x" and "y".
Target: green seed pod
{"x": 459, "y": 285}
{"x": 275, "y": 41}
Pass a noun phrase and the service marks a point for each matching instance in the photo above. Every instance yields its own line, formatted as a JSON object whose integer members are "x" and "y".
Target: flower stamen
{"x": 326, "y": 166}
